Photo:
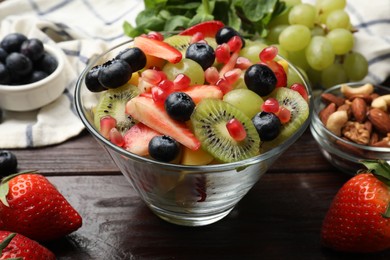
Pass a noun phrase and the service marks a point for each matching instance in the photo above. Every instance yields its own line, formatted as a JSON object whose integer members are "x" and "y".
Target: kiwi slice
{"x": 181, "y": 42}
{"x": 113, "y": 102}
{"x": 209, "y": 123}
{"x": 299, "y": 109}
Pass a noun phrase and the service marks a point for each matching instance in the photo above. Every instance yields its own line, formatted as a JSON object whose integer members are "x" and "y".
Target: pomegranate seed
{"x": 300, "y": 89}
{"x": 155, "y": 36}
{"x": 181, "y": 81}
{"x": 224, "y": 85}
{"x": 211, "y": 75}
{"x": 235, "y": 44}
{"x": 236, "y": 129}
{"x": 243, "y": 63}
{"x": 198, "y": 36}
{"x": 106, "y": 124}
{"x": 284, "y": 114}
{"x": 158, "y": 95}
{"x": 222, "y": 53}
{"x": 166, "y": 85}
{"x": 116, "y": 137}
{"x": 232, "y": 76}
{"x": 268, "y": 53}
{"x": 271, "y": 105}
{"x": 152, "y": 76}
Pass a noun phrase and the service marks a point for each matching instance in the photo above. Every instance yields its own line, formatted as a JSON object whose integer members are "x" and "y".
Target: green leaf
{"x": 380, "y": 168}
{"x": 256, "y": 10}
{"x": 6, "y": 242}
{"x": 176, "y": 22}
{"x": 152, "y": 4}
{"x": 200, "y": 17}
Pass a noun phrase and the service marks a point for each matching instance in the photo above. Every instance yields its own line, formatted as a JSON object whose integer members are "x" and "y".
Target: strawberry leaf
{"x": 6, "y": 242}
{"x": 380, "y": 168}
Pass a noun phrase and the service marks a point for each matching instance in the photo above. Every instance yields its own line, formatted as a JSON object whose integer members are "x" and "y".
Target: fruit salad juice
{"x": 186, "y": 101}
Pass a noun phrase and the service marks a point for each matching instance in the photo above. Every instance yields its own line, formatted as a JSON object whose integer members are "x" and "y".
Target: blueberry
{"x": 224, "y": 34}
{"x": 12, "y": 42}
{"x": 3, "y": 55}
{"x": 5, "y": 77}
{"x": 179, "y": 106}
{"x": 8, "y": 163}
{"x": 268, "y": 125}
{"x": 135, "y": 57}
{"x": 46, "y": 63}
{"x": 92, "y": 81}
{"x": 202, "y": 53}
{"x": 37, "y": 76}
{"x": 260, "y": 79}
{"x": 32, "y": 48}
{"x": 114, "y": 73}
{"x": 18, "y": 64}
{"x": 164, "y": 148}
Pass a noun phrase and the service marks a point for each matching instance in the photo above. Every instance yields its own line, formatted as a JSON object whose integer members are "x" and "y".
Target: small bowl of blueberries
{"x": 31, "y": 73}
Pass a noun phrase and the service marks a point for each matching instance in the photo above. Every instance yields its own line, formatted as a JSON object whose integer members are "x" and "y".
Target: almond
{"x": 330, "y": 98}
{"x": 380, "y": 120}
{"x": 359, "y": 109}
{"x": 326, "y": 112}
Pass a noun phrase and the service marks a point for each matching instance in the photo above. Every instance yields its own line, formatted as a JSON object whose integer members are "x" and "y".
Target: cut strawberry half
{"x": 148, "y": 112}
{"x": 158, "y": 49}
{"x": 208, "y": 28}
{"x": 137, "y": 139}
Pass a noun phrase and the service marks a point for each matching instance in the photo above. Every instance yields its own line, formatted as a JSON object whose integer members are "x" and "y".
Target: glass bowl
{"x": 180, "y": 194}
{"x": 340, "y": 152}
{"x": 37, "y": 94}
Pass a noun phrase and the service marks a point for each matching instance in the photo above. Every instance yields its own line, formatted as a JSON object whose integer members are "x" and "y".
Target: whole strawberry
{"x": 30, "y": 205}
{"x": 17, "y": 246}
{"x": 359, "y": 217}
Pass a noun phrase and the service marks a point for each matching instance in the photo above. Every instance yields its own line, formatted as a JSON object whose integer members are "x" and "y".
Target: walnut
{"x": 357, "y": 132}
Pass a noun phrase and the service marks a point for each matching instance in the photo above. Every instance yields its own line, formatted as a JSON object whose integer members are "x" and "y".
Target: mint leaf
{"x": 256, "y": 10}
{"x": 176, "y": 22}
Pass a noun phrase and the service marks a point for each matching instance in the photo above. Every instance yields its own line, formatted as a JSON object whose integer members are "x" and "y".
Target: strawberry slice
{"x": 137, "y": 139}
{"x": 146, "y": 111}
{"x": 208, "y": 28}
{"x": 199, "y": 92}
{"x": 158, "y": 49}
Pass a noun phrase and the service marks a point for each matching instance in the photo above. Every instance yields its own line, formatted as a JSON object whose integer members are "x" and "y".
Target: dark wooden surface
{"x": 280, "y": 218}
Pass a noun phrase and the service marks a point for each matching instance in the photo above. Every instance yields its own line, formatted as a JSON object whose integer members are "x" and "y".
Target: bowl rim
{"x": 57, "y": 54}
{"x": 239, "y": 165}
{"x": 316, "y": 121}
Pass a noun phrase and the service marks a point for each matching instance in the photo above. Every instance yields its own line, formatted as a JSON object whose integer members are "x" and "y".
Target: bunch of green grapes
{"x": 318, "y": 38}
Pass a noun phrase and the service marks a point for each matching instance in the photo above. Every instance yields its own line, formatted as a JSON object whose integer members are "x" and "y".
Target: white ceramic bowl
{"x": 38, "y": 94}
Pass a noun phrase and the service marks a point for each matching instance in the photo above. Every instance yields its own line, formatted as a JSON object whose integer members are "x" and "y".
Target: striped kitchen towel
{"x": 81, "y": 29}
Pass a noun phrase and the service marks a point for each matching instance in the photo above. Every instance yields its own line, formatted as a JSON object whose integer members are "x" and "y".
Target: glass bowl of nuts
{"x": 351, "y": 122}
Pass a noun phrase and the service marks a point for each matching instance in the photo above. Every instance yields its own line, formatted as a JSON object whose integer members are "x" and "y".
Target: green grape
{"x": 292, "y": 2}
{"x": 293, "y": 76}
{"x": 280, "y": 19}
{"x": 333, "y": 75}
{"x": 314, "y": 77}
{"x": 274, "y": 32}
{"x": 356, "y": 66}
{"x": 295, "y": 37}
{"x": 304, "y": 14}
{"x": 317, "y": 31}
{"x": 337, "y": 19}
{"x": 319, "y": 53}
{"x": 341, "y": 39}
{"x": 188, "y": 67}
{"x": 325, "y": 7}
{"x": 244, "y": 99}
{"x": 252, "y": 50}
{"x": 298, "y": 58}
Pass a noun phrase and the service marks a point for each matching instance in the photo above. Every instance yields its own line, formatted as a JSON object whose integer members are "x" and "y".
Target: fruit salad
{"x": 203, "y": 96}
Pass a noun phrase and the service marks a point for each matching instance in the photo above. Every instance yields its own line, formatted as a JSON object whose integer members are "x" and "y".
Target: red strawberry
{"x": 16, "y": 246}
{"x": 359, "y": 217}
{"x": 158, "y": 49}
{"x": 30, "y": 205}
{"x": 208, "y": 28}
{"x": 137, "y": 139}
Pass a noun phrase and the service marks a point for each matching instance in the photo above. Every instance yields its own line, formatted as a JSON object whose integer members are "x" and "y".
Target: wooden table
{"x": 280, "y": 218}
